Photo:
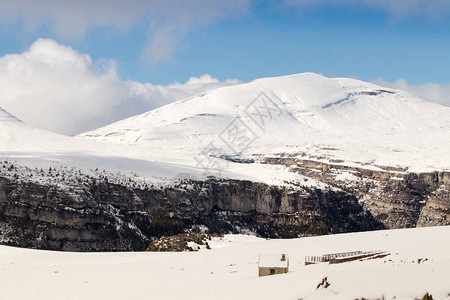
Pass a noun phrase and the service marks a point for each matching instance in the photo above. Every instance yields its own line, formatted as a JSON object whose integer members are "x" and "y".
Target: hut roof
{"x": 273, "y": 261}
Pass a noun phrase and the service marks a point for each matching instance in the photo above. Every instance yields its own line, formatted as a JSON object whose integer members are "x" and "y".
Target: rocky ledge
{"x": 395, "y": 197}
{"x": 68, "y": 210}
{"x": 103, "y": 216}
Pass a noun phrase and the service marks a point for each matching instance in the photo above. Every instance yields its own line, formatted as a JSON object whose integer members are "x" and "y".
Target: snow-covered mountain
{"x": 282, "y": 157}
{"x": 18, "y": 137}
{"x": 305, "y": 115}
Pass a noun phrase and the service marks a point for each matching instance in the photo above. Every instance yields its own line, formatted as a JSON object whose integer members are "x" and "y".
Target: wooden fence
{"x": 327, "y": 257}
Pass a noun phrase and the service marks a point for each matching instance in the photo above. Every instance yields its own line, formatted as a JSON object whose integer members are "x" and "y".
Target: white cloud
{"x": 433, "y": 92}
{"x": 431, "y": 9}
{"x": 54, "y": 87}
{"x": 161, "y": 44}
{"x": 73, "y": 18}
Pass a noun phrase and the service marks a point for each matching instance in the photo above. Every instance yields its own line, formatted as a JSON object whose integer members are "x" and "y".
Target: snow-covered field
{"x": 229, "y": 270}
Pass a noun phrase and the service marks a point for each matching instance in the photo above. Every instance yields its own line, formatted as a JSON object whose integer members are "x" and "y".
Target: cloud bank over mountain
{"x": 54, "y": 87}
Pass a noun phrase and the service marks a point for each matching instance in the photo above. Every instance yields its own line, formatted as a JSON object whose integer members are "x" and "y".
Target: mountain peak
{"x": 301, "y": 114}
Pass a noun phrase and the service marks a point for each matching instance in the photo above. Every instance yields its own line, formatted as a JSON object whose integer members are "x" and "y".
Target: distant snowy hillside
{"x": 18, "y": 136}
{"x": 28, "y": 147}
{"x": 305, "y": 115}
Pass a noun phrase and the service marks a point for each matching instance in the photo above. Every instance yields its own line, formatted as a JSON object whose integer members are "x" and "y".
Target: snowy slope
{"x": 7, "y": 117}
{"x": 14, "y": 133}
{"x": 35, "y": 148}
{"x": 31, "y": 149}
{"x": 418, "y": 263}
{"x": 306, "y": 115}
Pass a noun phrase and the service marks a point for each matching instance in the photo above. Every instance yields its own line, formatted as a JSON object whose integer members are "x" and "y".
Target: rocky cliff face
{"x": 394, "y": 197}
{"x": 102, "y": 216}
{"x": 68, "y": 210}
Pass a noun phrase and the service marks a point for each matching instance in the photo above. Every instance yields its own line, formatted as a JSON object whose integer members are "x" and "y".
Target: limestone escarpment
{"x": 101, "y": 216}
{"x": 396, "y": 198}
{"x": 69, "y": 210}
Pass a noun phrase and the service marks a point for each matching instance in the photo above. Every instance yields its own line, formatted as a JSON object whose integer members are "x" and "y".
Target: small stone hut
{"x": 273, "y": 264}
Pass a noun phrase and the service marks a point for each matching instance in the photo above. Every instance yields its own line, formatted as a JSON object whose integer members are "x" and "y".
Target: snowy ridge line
{"x": 301, "y": 113}
{"x": 369, "y": 93}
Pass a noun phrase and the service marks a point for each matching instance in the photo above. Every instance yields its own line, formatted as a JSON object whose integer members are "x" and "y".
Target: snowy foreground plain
{"x": 229, "y": 270}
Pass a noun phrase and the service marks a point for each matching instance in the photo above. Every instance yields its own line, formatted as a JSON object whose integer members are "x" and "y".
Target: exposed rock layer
{"x": 111, "y": 217}
{"x": 97, "y": 215}
{"x": 396, "y": 198}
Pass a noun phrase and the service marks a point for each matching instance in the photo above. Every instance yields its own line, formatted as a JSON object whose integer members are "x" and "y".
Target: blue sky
{"x": 84, "y": 64}
{"x": 268, "y": 38}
